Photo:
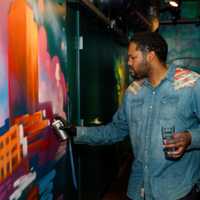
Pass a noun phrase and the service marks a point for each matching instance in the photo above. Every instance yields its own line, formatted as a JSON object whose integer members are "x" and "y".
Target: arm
{"x": 189, "y": 139}
{"x": 108, "y": 134}
{"x": 195, "y": 131}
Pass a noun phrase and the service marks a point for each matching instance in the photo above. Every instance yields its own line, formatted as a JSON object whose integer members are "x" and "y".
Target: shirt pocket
{"x": 168, "y": 108}
{"x": 137, "y": 109}
{"x": 136, "y": 116}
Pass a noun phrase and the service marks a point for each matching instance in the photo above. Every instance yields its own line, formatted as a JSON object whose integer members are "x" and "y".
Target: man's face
{"x": 138, "y": 65}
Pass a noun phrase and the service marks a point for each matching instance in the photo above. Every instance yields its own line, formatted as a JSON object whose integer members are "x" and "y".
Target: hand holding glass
{"x": 167, "y": 136}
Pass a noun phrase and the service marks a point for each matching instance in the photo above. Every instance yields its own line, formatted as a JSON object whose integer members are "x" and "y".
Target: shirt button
{"x": 145, "y": 167}
{"x": 154, "y": 92}
{"x": 150, "y": 107}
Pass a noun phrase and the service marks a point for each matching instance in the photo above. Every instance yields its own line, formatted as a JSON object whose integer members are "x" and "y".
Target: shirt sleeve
{"x": 113, "y": 132}
{"x": 195, "y": 130}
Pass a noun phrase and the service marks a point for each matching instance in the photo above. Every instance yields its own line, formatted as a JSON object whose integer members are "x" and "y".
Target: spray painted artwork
{"x": 33, "y": 88}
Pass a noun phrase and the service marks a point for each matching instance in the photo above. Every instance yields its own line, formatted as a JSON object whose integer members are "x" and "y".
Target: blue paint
{"x": 4, "y": 128}
{"x": 43, "y": 183}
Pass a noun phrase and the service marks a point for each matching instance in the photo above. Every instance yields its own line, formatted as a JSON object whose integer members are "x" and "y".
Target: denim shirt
{"x": 145, "y": 109}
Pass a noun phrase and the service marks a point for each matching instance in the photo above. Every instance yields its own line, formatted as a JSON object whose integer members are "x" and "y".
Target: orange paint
{"x": 22, "y": 58}
{"x": 10, "y": 152}
{"x": 41, "y": 5}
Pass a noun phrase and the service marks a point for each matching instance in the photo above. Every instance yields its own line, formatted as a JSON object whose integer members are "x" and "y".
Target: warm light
{"x": 154, "y": 24}
{"x": 173, "y": 3}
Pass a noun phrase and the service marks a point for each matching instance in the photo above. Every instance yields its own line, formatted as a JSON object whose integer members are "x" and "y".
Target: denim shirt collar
{"x": 170, "y": 72}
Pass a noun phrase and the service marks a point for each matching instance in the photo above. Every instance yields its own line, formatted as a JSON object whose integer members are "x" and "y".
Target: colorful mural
{"x": 4, "y": 108}
{"x": 33, "y": 88}
{"x": 52, "y": 87}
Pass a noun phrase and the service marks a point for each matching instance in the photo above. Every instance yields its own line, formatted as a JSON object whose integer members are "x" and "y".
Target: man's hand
{"x": 179, "y": 142}
{"x": 61, "y": 129}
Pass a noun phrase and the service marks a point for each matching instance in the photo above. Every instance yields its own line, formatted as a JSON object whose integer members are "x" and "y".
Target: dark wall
{"x": 101, "y": 61}
{"x": 71, "y": 29}
{"x": 103, "y": 79}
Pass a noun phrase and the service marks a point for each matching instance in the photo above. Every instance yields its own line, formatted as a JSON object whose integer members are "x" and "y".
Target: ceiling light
{"x": 173, "y": 3}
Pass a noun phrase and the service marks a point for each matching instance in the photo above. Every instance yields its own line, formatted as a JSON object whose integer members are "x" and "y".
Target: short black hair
{"x": 151, "y": 41}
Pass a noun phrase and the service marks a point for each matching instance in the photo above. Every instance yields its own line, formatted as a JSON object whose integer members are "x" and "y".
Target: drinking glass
{"x": 167, "y": 136}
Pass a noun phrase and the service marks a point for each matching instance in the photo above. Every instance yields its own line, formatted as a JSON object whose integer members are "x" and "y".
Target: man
{"x": 160, "y": 97}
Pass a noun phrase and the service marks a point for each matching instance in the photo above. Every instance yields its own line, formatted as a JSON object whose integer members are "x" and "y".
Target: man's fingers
{"x": 177, "y": 152}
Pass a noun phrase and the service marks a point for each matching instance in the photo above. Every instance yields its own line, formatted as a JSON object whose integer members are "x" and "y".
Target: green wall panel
{"x": 103, "y": 72}
{"x": 184, "y": 45}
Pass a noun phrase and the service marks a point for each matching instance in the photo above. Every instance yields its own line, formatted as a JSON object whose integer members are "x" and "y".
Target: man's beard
{"x": 143, "y": 73}
{"x": 136, "y": 76}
